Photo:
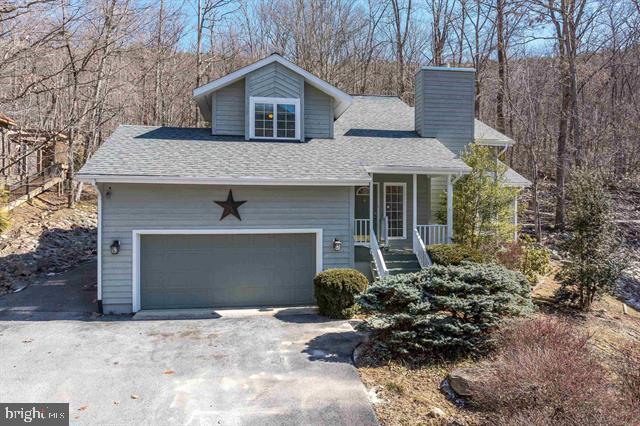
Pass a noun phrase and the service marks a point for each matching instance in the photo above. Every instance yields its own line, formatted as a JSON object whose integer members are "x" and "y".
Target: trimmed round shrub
{"x": 336, "y": 290}
{"x": 453, "y": 254}
{"x": 444, "y": 310}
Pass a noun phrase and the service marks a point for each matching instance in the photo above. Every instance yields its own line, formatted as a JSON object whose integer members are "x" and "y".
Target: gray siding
{"x": 446, "y": 106}
{"x": 418, "y": 111}
{"x": 318, "y": 113}
{"x": 230, "y": 105}
{"x": 424, "y": 200}
{"x": 273, "y": 80}
{"x": 228, "y": 110}
{"x": 139, "y": 206}
{"x": 438, "y": 194}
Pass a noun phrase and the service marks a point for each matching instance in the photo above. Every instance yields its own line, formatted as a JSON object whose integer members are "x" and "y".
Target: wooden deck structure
{"x": 31, "y": 160}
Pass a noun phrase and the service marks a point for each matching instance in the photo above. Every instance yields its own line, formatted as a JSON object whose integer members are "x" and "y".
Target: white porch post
{"x": 370, "y": 207}
{"x": 415, "y": 202}
{"x": 515, "y": 218}
{"x": 449, "y": 209}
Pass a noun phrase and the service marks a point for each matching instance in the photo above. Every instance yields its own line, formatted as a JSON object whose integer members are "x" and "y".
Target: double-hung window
{"x": 275, "y": 118}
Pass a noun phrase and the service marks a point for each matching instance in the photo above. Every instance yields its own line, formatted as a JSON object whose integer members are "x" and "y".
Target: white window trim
{"x": 253, "y": 100}
{"x": 404, "y": 206}
{"x": 136, "y": 233}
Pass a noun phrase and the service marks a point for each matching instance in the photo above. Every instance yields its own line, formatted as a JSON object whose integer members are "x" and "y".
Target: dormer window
{"x": 275, "y": 118}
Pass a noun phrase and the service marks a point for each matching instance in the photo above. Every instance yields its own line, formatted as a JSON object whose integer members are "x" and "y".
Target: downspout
{"x": 457, "y": 178}
{"x": 99, "y": 249}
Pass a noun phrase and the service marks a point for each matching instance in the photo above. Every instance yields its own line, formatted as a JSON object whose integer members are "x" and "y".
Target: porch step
{"x": 401, "y": 261}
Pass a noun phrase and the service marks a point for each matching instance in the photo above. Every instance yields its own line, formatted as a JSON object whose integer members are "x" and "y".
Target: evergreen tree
{"x": 483, "y": 205}
{"x": 448, "y": 310}
{"x": 593, "y": 246}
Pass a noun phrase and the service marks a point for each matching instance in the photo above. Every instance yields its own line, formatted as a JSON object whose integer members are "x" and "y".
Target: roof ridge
{"x": 374, "y": 96}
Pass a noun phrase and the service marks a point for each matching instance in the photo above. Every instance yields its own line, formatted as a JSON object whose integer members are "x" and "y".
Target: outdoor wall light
{"x": 337, "y": 244}
{"x": 108, "y": 193}
{"x": 115, "y": 247}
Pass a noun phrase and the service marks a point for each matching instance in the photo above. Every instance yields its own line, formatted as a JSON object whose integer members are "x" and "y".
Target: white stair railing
{"x": 433, "y": 234}
{"x": 376, "y": 253}
{"x": 362, "y": 232}
{"x": 419, "y": 250}
{"x": 385, "y": 231}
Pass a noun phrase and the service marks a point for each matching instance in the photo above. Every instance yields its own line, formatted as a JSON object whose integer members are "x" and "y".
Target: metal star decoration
{"x": 230, "y": 206}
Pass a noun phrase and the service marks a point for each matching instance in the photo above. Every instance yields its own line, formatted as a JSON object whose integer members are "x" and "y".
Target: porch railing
{"x": 385, "y": 231}
{"x": 433, "y": 234}
{"x": 419, "y": 250}
{"x": 377, "y": 256}
{"x": 362, "y": 232}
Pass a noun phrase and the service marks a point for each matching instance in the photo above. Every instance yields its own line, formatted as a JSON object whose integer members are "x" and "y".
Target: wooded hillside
{"x": 559, "y": 76}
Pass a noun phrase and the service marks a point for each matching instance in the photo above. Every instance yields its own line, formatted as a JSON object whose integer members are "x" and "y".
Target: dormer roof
{"x": 341, "y": 99}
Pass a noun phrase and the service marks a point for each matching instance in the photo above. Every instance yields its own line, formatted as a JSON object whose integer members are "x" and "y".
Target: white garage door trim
{"x": 138, "y": 232}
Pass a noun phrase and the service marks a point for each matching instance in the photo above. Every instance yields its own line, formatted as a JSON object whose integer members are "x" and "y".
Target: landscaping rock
{"x": 462, "y": 380}
{"x": 628, "y": 288}
{"x": 437, "y": 413}
{"x": 374, "y": 395}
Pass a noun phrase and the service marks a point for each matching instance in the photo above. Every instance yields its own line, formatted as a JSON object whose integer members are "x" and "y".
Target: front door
{"x": 395, "y": 209}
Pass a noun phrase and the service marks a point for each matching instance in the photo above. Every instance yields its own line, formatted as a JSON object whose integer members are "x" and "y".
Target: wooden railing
{"x": 420, "y": 251}
{"x": 362, "y": 232}
{"x": 433, "y": 234}
{"x": 377, "y": 256}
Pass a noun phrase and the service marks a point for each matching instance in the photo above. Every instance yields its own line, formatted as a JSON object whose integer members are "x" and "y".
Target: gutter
{"x": 176, "y": 180}
{"x": 418, "y": 170}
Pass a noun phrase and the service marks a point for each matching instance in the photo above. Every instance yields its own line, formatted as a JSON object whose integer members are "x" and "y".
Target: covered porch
{"x": 399, "y": 212}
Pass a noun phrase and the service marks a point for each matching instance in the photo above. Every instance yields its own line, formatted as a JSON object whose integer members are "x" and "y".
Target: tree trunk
{"x": 502, "y": 57}
{"x": 200, "y": 29}
{"x": 70, "y": 168}
{"x": 157, "y": 113}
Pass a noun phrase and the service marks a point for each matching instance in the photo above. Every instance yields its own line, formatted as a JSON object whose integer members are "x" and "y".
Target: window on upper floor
{"x": 275, "y": 118}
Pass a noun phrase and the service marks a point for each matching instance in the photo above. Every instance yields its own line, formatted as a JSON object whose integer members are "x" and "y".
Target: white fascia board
{"x": 343, "y": 99}
{"x": 457, "y": 69}
{"x": 495, "y": 142}
{"x": 219, "y": 181}
{"x": 517, "y": 185}
{"x": 417, "y": 170}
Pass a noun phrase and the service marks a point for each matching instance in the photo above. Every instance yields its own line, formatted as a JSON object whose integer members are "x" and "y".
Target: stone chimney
{"x": 445, "y": 105}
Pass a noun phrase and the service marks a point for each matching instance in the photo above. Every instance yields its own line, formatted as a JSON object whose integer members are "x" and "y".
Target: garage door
{"x": 195, "y": 271}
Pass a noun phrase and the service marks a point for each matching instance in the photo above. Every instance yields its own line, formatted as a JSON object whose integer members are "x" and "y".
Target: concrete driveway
{"x": 265, "y": 368}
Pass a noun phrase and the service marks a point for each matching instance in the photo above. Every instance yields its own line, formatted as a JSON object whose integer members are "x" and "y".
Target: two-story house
{"x": 294, "y": 176}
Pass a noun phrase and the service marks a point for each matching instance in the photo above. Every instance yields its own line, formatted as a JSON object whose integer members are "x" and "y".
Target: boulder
{"x": 462, "y": 380}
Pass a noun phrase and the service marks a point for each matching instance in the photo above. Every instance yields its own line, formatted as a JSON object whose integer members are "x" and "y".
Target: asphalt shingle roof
{"x": 488, "y": 135}
{"x": 373, "y": 132}
{"x": 513, "y": 178}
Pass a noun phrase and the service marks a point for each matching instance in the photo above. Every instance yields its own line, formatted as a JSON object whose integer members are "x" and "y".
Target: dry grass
{"x": 607, "y": 324}
{"x": 409, "y": 392}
